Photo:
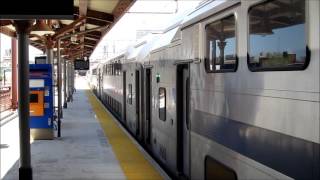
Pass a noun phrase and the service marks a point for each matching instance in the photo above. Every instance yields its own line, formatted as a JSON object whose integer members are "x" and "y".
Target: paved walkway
{"x": 9, "y": 141}
{"x": 83, "y": 152}
{"x": 131, "y": 159}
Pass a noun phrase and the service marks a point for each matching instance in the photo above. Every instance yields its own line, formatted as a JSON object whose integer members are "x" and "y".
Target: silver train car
{"x": 91, "y": 77}
{"x": 229, "y": 91}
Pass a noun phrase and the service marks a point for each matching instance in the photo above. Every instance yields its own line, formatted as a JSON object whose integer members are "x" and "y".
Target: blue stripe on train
{"x": 294, "y": 157}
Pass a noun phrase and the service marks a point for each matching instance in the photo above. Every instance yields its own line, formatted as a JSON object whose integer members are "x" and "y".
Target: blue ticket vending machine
{"x": 41, "y": 101}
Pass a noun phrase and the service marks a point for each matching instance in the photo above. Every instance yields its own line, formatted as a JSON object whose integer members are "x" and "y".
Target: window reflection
{"x": 277, "y": 35}
{"x": 162, "y": 104}
{"x": 94, "y": 72}
{"x": 221, "y": 45}
{"x": 130, "y": 94}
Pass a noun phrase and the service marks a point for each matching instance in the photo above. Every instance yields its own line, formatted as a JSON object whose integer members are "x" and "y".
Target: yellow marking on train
{"x": 131, "y": 160}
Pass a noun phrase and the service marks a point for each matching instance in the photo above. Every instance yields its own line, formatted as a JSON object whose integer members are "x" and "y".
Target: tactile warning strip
{"x": 131, "y": 160}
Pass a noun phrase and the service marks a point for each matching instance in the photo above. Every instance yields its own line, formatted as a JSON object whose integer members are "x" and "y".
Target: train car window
{"x": 94, "y": 71}
{"x": 119, "y": 68}
{"x": 215, "y": 170}
{"x": 221, "y": 46}
{"x": 114, "y": 69}
{"x": 277, "y": 36}
{"x": 162, "y": 104}
{"x": 111, "y": 69}
{"x": 130, "y": 94}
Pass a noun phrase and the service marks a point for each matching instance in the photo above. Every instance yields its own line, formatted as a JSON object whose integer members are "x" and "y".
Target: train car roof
{"x": 165, "y": 39}
{"x": 134, "y": 51}
{"x": 94, "y": 66}
{"x": 145, "y": 51}
{"x": 206, "y": 9}
{"x": 169, "y": 33}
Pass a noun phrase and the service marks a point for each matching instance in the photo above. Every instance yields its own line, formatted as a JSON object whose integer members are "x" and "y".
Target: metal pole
{"x": 23, "y": 29}
{"x": 72, "y": 79}
{"x": 70, "y": 82}
{"x": 59, "y": 88}
{"x": 49, "y": 55}
{"x": 65, "y": 105}
{"x": 67, "y": 85}
{"x": 4, "y": 78}
{"x": 14, "y": 103}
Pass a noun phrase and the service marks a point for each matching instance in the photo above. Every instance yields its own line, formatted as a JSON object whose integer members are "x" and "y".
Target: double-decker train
{"x": 229, "y": 91}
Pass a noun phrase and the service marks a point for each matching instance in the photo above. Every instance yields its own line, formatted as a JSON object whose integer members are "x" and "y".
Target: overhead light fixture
{"x": 41, "y": 28}
{"x": 55, "y": 49}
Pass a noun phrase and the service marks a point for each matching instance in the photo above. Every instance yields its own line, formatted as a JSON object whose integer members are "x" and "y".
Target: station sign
{"x": 40, "y": 60}
{"x": 81, "y": 64}
{"x": 37, "y": 9}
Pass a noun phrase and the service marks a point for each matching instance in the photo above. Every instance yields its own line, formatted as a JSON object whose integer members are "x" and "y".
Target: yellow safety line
{"x": 131, "y": 160}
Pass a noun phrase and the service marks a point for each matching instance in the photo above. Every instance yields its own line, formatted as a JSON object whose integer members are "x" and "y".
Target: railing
{"x": 5, "y": 98}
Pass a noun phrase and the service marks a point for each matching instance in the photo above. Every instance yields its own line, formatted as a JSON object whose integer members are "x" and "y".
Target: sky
{"x": 281, "y": 40}
{"x": 144, "y": 15}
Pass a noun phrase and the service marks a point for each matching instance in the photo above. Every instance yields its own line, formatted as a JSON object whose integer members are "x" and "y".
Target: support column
{"x": 70, "y": 81}
{"x": 67, "y": 81}
{"x": 73, "y": 78}
{"x": 65, "y": 105}
{"x": 23, "y": 30}
{"x": 59, "y": 88}
{"x": 14, "y": 88}
{"x": 49, "y": 52}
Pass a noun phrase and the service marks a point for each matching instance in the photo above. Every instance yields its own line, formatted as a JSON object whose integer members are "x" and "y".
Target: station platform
{"x": 93, "y": 145}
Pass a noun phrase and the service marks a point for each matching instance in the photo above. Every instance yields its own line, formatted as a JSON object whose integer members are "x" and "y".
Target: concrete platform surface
{"x": 82, "y": 152}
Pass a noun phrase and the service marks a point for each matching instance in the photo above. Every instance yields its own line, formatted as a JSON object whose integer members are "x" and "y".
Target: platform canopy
{"x": 78, "y": 37}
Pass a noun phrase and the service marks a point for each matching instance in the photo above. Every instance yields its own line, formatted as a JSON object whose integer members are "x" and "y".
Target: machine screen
{"x": 33, "y": 98}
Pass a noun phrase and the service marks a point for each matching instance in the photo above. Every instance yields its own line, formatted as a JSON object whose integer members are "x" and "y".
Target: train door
{"x": 124, "y": 87}
{"x": 183, "y": 130}
{"x": 100, "y": 83}
{"x": 138, "y": 103}
{"x": 97, "y": 89}
{"x": 147, "y": 91}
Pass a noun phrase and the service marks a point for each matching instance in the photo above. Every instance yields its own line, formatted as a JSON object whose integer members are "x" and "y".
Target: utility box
{"x": 41, "y": 101}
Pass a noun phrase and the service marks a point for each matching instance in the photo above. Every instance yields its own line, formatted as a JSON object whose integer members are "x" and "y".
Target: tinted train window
{"x": 277, "y": 36}
{"x": 109, "y": 69}
{"x": 94, "y": 72}
{"x": 215, "y": 170}
{"x": 118, "y": 67}
{"x": 113, "y": 70}
{"x": 221, "y": 46}
{"x": 162, "y": 104}
{"x": 130, "y": 94}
